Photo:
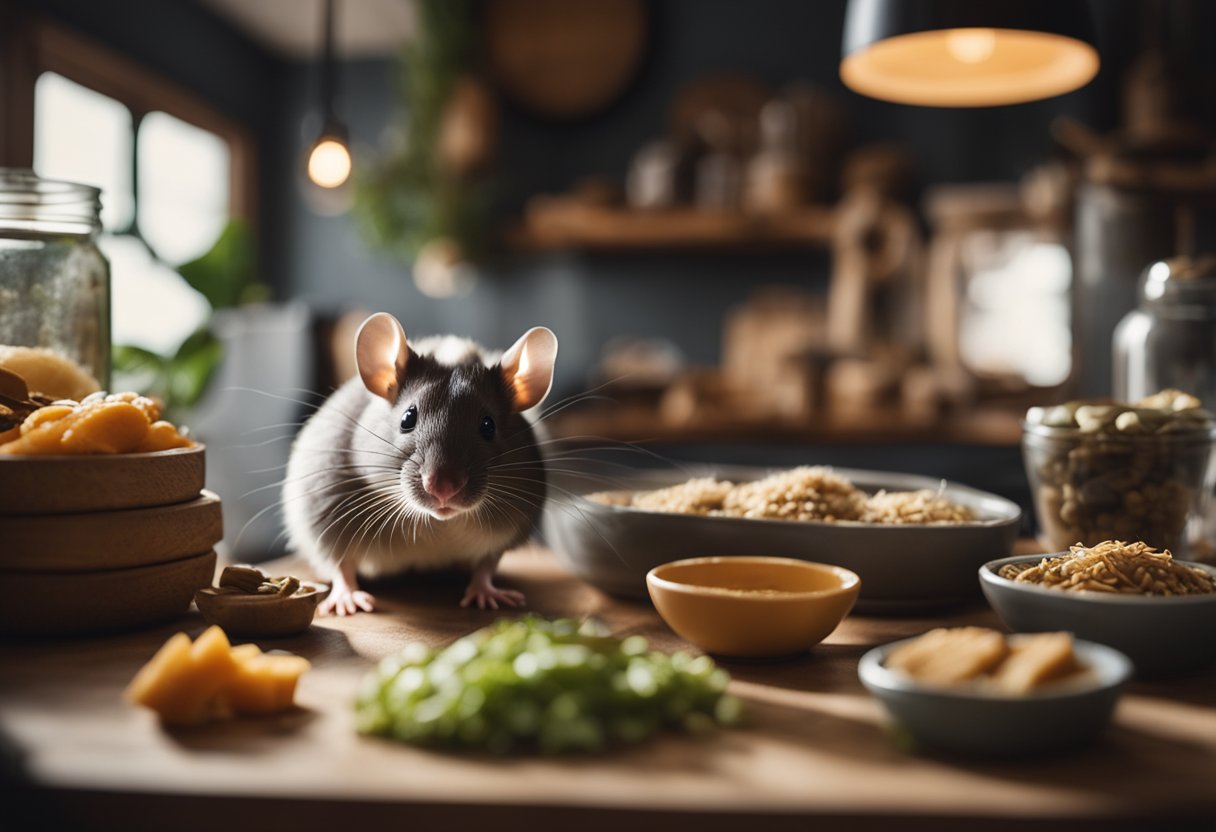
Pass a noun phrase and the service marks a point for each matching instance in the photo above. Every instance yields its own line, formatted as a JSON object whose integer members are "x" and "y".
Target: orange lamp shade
{"x": 941, "y": 53}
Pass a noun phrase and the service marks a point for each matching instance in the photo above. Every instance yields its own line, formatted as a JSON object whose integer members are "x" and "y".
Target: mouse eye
{"x": 487, "y": 428}
{"x": 409, "y": 419}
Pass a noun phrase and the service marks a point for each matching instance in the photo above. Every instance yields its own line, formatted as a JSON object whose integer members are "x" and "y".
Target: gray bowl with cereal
{"x": 1161, "y": 634}
{"x": 612, "y": 539}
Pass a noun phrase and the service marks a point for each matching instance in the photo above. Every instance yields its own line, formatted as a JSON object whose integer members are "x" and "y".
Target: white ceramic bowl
{"x": 1066, "y": 715}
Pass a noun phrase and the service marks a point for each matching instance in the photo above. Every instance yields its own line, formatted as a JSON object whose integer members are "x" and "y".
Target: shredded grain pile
{"x": 1114, "y": 566}
{"x": 808, "y": 493}
{"x": 699, "y": 496}
{"x": 915, "y": 507}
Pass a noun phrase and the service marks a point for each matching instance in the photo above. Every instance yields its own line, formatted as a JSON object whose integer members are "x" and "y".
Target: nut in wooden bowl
{"x": 250, "y": 605}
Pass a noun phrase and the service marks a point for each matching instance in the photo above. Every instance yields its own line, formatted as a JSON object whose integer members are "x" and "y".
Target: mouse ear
{"x": 381, "y": 353}
{"x": 527, "y": 367}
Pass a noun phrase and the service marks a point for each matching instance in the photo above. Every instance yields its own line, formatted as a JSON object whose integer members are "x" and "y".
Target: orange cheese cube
{"x": 265, "y": 684}
{"x": 183, "y": 686}
{"x": 190, "y": 683}
{"x": 149, "y": 687}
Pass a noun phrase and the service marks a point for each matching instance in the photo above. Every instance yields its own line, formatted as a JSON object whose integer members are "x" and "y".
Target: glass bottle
{"x": 54, "y": 285}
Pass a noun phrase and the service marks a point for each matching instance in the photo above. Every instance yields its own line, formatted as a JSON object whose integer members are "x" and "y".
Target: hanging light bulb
{"x": 971, "y": 46}
{"x": 329, "y": 159}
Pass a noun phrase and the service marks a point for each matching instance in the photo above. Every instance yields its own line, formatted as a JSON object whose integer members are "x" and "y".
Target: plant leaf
{"x": 222, "y": 274}
{"x": 193, "y": 366}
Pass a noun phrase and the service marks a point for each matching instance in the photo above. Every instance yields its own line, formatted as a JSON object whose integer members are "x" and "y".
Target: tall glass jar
{"x": 54, "y": 285}
{"x": 1170, "y": 339}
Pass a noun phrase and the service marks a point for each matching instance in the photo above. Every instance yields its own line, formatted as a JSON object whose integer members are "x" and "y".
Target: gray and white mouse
{"x": 423, "y": 461}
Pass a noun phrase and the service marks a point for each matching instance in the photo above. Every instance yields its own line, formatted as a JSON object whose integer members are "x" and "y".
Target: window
{"x": 172, "y": 171}
{"x": 183, "y": 187}
{"x": 84, "y": 136}
{"x": 1018, "y": 284}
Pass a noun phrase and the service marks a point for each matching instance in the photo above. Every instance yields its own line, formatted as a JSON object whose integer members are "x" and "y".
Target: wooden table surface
{"x": 816, "y": 753}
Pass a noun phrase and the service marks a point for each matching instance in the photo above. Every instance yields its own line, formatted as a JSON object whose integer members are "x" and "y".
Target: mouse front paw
{"x": 488, "y": 596}
{"x": 343, "y": 601}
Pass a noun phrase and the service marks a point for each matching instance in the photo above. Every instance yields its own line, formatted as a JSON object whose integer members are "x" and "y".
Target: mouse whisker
{"x": 315, "y": 407}
{"x": 400, "y": 457}
{"x": 504, "y": 501}
{"x": 344, "y": 542}
{"x": 283, "y": 501}
{"x": 377, "y": 466}
{"x": 370, "y": 521}
{"x": 577, "y": 473}
{"x": 245, "y": 445}
{"x": 302, "y": 477}
{"x": 262, "y": 428}
{"x": 374, "y": 522}
{"x": 355, "y": 502}
{"x": 574, "y": 512}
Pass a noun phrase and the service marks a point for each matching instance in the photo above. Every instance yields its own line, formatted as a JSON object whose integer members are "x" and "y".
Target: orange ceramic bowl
{"x": 756, "y": 607}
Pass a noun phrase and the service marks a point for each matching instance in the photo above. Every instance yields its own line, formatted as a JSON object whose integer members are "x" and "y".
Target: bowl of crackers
{"x": 976, "y": 691}
{"x": 1158, "y": 610}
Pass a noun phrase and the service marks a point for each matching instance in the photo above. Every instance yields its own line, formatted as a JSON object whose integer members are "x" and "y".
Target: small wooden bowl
{"x": 99, "y": 482}
{"x": 261, "y": 616}
{"x": 756, "y": 607}
{"x": 87, "y": 603}
{"x": 92, "y": 541}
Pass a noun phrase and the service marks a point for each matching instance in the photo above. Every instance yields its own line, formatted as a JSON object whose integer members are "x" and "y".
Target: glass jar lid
{"x": 1180, "y": 280}
{"x": 33, "y": 206}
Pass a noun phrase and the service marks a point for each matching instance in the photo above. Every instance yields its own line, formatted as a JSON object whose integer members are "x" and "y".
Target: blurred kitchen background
{"x": 744, "y": 260}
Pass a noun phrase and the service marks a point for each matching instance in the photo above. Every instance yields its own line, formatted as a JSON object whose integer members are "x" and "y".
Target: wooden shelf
{"x": 560, "y": 223}
{"x": 986, "y": 426}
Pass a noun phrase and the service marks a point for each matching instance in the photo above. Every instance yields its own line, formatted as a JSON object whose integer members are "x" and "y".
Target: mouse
{"x": 424, "y": 460}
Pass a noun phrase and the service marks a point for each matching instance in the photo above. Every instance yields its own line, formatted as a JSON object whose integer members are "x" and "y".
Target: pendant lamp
{"x": 967, "y": 53}
{"x": 329, "y": 162}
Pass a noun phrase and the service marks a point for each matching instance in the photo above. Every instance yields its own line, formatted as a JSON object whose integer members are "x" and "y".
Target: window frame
{"x": 32, "y": 47}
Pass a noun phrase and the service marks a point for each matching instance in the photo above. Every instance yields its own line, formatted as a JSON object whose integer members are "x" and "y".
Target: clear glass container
{"x": 1089, "y": 487}
{"x": 1170, "y": 339}
{"x": 54, "y": 285}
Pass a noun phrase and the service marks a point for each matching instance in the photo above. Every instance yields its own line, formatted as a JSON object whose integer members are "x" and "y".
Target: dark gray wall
{"x": 588, "y": 298}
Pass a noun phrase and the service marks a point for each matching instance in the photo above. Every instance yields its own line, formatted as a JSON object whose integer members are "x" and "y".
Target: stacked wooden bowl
{"x": 90, "y": 544}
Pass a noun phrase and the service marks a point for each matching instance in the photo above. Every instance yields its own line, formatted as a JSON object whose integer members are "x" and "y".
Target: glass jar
{"x": 1170, "y": 339}
{"x": 1091, "y": 487}
{"x": 54, "y": 285}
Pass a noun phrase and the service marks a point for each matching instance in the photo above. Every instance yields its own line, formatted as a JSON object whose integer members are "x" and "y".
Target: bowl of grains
{"x": 915, "y": 542}
{"x": 976, "y": 691}
{"x": 1143, "y": 602}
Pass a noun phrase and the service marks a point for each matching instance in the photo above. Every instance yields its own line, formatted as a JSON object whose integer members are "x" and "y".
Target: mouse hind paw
{"x": 343, "y": 601}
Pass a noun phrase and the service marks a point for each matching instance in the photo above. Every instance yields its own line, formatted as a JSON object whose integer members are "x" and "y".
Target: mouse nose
{"x": 443, "y": 487}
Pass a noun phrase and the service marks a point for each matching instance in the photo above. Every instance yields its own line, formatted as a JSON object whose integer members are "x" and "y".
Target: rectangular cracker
{"x": 950, "y": 655}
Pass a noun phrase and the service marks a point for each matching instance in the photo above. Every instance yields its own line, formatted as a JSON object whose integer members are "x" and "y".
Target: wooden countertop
{"x": 817, "y": 753}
